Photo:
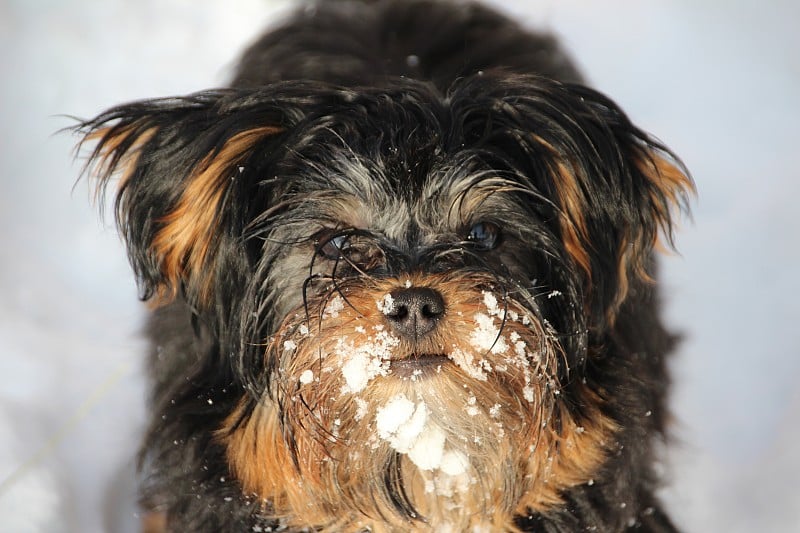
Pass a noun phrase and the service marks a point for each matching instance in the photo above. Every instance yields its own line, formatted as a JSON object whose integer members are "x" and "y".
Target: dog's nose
{"x": 413, "y": 312}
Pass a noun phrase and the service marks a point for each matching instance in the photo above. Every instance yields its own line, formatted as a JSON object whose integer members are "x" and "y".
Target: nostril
{"x": 433, "y": 308}
{"x": 414, "y": 312}
{"x": 398, "y": 311}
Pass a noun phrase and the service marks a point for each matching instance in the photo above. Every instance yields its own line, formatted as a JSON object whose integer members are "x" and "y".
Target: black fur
{"x": 411, "y": 95}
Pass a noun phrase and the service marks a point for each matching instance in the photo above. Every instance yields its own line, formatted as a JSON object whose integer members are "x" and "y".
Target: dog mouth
{"x": 418, "y": 364}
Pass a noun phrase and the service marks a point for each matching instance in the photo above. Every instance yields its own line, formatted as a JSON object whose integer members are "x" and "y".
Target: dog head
{"x": 407, "y": 285}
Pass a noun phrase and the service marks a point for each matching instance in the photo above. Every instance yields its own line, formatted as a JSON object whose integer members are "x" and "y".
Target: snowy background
{"x": 718, "y": 81}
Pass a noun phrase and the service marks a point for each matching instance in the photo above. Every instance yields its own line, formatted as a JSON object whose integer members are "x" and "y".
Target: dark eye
{"x": 332, "y": 247}
{"x": 484, "y": 235}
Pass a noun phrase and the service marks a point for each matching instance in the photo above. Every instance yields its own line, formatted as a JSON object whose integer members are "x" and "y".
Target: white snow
{"x": 362, "y": 408}
{"x": 385, "y": 304}
{"x": 394, "y": 414}
{"x": 333, "y": 307}
{"x": 428, "y": 450}
{"x": 454, "y": 463}
{"x": 289, "y": 345}
{"x": 365, "y": 358}
{"x": 716, "y": 81}
{"x": 358, "y": 370}
{"x": 307, "y": 376}
{"x": 466, "y": 361}
{"x": 528, "y": 393}
{"x": 404, "y": 425}
{"x": 472, "y": 408}
{"x": 490, "y": 301}
{"x": 486, "y": 336}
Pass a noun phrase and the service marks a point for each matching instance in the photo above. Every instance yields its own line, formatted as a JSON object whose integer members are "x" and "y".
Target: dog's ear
{"x": 618, "y": 191}
{"x": 612, "y": 190}
{"x": 604, "y": 224}
{"x": 181, "y": 163}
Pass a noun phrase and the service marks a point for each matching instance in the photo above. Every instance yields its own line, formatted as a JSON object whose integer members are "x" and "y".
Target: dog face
{"x": 407, "y": 287}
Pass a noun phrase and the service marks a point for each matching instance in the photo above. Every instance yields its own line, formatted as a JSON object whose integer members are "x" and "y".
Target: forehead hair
{"x": 407, "y": 155}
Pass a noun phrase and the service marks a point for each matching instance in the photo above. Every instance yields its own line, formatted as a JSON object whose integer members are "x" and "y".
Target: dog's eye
{"x": 484, "y": 235}
{"x": 333, "y": 247}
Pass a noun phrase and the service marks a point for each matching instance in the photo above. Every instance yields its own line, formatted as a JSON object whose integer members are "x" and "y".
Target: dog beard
{"x": 459, "y": 428}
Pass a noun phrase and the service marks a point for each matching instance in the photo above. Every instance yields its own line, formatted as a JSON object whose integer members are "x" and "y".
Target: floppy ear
{"x": 182, "y": 164}
{"x": 618, "y": 192}
{"x": 606, "y": 188}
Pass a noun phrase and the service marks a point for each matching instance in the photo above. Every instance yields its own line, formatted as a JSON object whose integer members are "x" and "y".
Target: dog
{"x": 402, "y": 278}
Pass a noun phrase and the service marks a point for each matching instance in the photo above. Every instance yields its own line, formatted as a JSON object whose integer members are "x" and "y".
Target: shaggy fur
{"x": 402, "y": 278}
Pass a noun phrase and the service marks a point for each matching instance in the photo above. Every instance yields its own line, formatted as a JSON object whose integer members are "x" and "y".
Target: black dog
{"x": 402, "y": 272}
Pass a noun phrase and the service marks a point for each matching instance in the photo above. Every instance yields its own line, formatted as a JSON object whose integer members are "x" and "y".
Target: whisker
{"x": 337, "y": 285}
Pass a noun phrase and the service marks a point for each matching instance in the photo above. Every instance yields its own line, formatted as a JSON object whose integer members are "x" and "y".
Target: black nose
{"x": 414, "y": 312}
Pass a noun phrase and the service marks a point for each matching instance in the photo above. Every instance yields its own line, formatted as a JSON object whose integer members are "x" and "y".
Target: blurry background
{"x": 718, "y": 81}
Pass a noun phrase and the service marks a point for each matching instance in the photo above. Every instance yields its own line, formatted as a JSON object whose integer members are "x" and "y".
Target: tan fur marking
{"x": 258, "y": 454}
{"x": 154, "y": 522}
{"x": 108, "y": 159}
{"x": 574, "y": 233}
{"x": 569, "y": 457}
{"x": 672, "y": 186}
{"x": 185, "y": 240}
{"x": 573, "y": 225}
{"x": 672, "y": 183}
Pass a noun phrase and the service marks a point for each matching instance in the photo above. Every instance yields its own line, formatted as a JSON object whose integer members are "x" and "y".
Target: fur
{"x": 402, "y": 276}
